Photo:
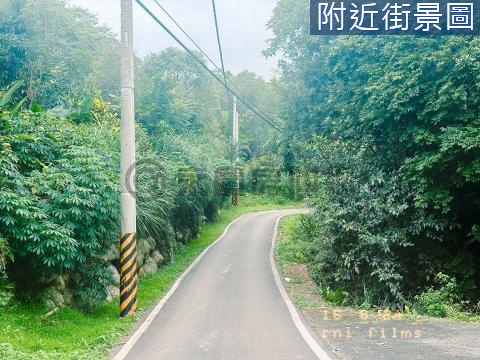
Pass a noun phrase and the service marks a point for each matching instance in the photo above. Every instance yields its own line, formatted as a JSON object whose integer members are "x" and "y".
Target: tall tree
{"x": 392, "y": 125}
{"x": 56, "y": 48}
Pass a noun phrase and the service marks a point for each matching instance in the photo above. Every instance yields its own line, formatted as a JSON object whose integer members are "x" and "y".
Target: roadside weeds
{"x": 353, "y": 333}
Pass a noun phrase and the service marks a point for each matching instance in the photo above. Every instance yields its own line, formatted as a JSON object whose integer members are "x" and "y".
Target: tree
{"x": 55, "y": 48}
{"x": 406, "y": 109}
{"x": 172, "y": 87}
{"x": 256, "y": 134}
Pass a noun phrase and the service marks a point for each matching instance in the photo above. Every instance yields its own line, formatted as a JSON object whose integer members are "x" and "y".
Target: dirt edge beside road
{"x": 355, "y": 334}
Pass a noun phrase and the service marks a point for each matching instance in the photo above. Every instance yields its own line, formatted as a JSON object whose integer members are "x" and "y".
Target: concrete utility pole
{"x": 128, "y": 242}
{"x": 236, "y": 191}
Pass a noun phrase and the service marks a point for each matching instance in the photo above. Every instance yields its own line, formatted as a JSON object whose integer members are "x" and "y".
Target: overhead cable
{"x": 196, "y": 58}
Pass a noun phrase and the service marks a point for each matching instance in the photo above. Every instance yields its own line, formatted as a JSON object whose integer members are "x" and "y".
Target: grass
{"x": 292, "y": 249}
{"x": 28, "y": 334}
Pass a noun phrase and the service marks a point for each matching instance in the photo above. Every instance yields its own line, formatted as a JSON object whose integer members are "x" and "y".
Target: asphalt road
{"x": 228, "y": 307}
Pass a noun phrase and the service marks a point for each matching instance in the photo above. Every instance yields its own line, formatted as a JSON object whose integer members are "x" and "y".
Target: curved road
{"x": 228, "y": 307}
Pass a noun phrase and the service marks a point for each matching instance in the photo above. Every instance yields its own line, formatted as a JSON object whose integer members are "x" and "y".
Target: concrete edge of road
{"x": 125, "y": 349}
{"x": 305, "y": 332}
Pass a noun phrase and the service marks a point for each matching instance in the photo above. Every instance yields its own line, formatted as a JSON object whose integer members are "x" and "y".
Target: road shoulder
{"x": 355, "y": 334}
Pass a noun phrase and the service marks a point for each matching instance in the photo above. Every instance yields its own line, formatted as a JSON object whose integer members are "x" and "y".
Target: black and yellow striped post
{"x": 128, "y": 274}
{"x": 128, "y": 202}
{"x": 236, "y": 197}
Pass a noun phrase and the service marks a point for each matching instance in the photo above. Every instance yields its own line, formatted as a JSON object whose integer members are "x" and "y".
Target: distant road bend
{"x": 231, "y": 305}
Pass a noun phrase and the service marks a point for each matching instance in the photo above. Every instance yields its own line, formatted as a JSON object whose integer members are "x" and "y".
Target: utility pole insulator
{"x": 128, "y": 239}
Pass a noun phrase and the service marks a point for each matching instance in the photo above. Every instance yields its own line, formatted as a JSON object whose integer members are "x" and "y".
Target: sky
{"x": 242, "y": 27}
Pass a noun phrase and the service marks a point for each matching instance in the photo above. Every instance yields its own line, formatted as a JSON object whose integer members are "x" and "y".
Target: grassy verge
{"x": 28, "y": 334}
{"x": 291, "y": 253}
{"x": 291, "y": 248}
{"x": 291, "y": 257}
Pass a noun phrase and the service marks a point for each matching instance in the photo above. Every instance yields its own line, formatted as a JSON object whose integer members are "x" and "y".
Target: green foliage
{"x": 173, "y": 88}
{"x": 294, "y": 247}
{"x": 256, "y": 135}
{"x": 264, "y": 175}
{"x": 357, "y": 244}
{"x": 337, "y": 296}
{"x": 442, "y": 301}
{"x": 71, "y": 334}
{"x": 390, "y": 125}
{"x": 59, "y": 161}
{"x": 58, "y": 201}
{"x": 91, "y": 284}
{"x": 54, "y": 48}
{"x": 59, "y": 147}
{"x": 6, "y": 255}
{"x": 9, "y": 93}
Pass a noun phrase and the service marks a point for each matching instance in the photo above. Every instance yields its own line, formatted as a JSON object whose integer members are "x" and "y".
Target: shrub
{"x": 59, "y": 198}
{"x": 5, "y": 288}
{"x": 442, "y": 301}
{"x": 264, "y": 175}
{"x": 400, "y": 154}
{"x": 58, "y": 205}
{"x": 359, "y": 238}
{"x": 337, "y": 296}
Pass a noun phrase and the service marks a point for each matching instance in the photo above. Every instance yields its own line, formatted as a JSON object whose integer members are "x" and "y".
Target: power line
{"x": 191, "y": 53}
{"x": 185, "y": 33}
{"x": 209, "y": 58}
{"x": 220, "y": 49}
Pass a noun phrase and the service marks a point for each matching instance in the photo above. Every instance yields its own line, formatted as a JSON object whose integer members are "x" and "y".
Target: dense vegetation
{"x": 391, "y": 125}
{"x": 383, "y": 132}
{"x": 73, "y": 334}
{"x": 59, "y": 151}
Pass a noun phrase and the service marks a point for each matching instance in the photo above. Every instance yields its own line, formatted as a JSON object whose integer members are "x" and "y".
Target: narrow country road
{"x": 228, "y": 307}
